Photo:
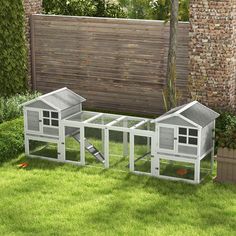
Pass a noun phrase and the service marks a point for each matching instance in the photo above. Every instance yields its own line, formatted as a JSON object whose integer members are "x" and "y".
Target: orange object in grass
{"x": 23, "y": 165}
{"x": 181, "y": 172}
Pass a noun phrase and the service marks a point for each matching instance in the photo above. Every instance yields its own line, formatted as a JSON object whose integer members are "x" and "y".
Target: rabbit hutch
{"x": 185, "y": 135}
{"x": 173, "y": 146}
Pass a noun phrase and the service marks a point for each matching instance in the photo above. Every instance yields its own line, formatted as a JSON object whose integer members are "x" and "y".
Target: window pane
{"x": 54, "y": 122}
{"x": 182, "y": 131}
{"x": 45, "y": 113}
{"x": 46, "y": 121}
{"x": 54, "y": 115}
{"x": 193, "y": 132}
{"x": 182, "y": 139}
{"x": 192, "y": 141}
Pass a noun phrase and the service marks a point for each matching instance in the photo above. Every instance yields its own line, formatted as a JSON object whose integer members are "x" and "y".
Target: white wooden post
{"x": 197, "y": 164}
{"x": 148, "y": 139}
{"x": 131, "y": 151}
{"x": 106, "y": 147}
{"x": 102, "y": 130}
{"x": 155, "y": 164}
{"x": 213, "y": 148}
{"x": 103, "y": 141}
{"x": 82, "y": 146}
{"x": 25, "y": 129}
{"x": 197, "y": 170}
{"x": 125, "y": 140}
{"x": 61, "y": 144}
{"x": 26, "y": 145}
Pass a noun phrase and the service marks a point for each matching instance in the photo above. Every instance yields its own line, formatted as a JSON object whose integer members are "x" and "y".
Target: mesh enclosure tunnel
{"x": 179, "y": 145}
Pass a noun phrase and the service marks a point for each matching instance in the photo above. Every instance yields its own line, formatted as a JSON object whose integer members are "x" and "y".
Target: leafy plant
{"x": 10, "y": 107}
{"x": 226, "y": 130}
{"x": 99, "y": 8}
{"x": 13, "y": 56}
{"x": 11, "y": 139}
{"x": 154, "y": 9}
{"x": 135, "y": 9}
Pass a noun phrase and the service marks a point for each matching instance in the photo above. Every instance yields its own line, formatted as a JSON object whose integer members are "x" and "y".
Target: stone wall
{"x": 212, "y": 49}
{"x": 212, "y": 52}
{"x": 30, "y": 7}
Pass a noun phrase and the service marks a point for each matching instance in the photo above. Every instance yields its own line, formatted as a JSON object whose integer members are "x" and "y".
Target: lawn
{"x": 48, "y": 198}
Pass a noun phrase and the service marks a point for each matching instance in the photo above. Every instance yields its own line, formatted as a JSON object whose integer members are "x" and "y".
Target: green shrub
{"x": 11, "y": 139}
{"x": 10, "y": 107}
{"x": 99, "y": 8}
{"x": 135, "y": 9}
{"x": 13, "y": 52}
{"x": 226, "y": 130}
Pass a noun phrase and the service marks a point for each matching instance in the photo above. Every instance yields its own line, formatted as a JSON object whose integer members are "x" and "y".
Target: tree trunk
{"x": 171, "y": 98}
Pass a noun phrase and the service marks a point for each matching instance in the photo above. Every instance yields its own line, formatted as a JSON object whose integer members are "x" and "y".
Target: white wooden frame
{"x": 153, "y": 140}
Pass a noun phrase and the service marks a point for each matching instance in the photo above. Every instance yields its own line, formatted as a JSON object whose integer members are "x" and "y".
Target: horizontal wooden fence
{"x": 116, "y": 64}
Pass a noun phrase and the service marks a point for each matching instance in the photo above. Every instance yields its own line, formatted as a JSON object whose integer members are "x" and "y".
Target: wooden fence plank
{"x": 117, "y": 64}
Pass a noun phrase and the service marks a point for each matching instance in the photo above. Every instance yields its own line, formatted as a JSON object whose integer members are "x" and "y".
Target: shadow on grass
{"x": 127, "y": 180}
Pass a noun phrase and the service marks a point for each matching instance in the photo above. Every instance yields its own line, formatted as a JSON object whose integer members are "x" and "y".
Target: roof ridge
{"x": 55, "y": 91}
{"x": 190, "y": 104}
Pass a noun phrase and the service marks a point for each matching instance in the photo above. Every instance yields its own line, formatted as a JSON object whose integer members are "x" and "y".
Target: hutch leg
{"x": 197, "y": 172}
{"x": 61, "y": 144}
{"x": 212, "y": 161}
{"x": 26, "y": 145}
{"x": 125, "y": 140}
{"x": 125, "y": 144}
{"x": 106, "y": 147}
{"x": 148, "y": 140}
{"x": 131, "y": 155}
{"x": 103, "y": 140}
{"x": 82, "y": 146}
{"x": 103, "y": 136}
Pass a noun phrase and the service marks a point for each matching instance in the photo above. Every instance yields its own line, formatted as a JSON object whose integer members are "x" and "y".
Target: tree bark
{"x": 171, "y": 64}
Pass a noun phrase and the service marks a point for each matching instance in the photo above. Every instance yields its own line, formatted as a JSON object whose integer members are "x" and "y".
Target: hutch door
{"x": 33, "y": 121}
{"x": 166, "y": 139}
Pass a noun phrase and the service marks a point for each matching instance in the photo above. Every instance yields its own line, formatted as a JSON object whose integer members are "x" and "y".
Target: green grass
{"x": 49, "y": 198}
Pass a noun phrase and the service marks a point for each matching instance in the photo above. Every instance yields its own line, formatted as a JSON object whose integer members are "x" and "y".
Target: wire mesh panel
{"x": 105, "y": 119}
{"x": 176, "y": 169}
{"x": 128, "y": 122}
{"x": 43, "y": 149}
{"x": 72, "y": 144}
{"x": 142, "y": 154}
{"x": 94, "y": 154}
{"x": 147, "y": 126}
{"x": 205, "y": 167}
{"x": 119, "y": 150}
{"x": 82, "y": 116}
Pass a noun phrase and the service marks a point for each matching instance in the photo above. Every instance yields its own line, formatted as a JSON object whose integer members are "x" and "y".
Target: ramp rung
{"x": 89, "y": 147}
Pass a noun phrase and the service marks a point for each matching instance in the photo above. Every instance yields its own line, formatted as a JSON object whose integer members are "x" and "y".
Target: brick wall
{"x": 31, "y": 7}
{"x": 213, "y": 52}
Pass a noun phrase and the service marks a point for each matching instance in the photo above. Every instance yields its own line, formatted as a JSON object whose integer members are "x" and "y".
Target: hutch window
{"x": 50, "y": 118}
{"x": 188, "y": 136}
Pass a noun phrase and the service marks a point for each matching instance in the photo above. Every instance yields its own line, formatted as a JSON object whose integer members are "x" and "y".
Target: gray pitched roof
{"x": 200, "y": 114}
{"x": 193, "y": 111}
{"x": 60, "y": 99}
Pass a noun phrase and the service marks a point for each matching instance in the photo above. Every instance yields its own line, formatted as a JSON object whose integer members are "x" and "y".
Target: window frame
{"x": 50, "y": 118}
{"x": 187, "y": 136}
